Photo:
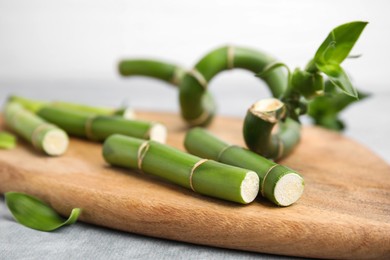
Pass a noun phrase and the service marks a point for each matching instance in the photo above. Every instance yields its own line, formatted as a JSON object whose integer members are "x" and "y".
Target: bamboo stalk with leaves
{"x": 294, "y": 90}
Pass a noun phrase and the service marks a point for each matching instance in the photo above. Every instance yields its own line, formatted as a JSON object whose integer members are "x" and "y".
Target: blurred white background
{"x": 69, "y": 50}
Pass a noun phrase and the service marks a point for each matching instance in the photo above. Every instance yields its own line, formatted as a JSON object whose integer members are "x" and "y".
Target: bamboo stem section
{"x": 164, "y": 71}
{"x": 98, "y": 128}
{"x": 259, "y": 123}
{"x": 35, "y": 105}
{"x": 279, "y": 184}
{"x": 206, "y": 177}
{"x": 42, "y": 135}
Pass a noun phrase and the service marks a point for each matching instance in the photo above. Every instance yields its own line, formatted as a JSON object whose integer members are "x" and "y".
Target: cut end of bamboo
{"x": 267, "y": 105}
{"x": 129, "y": 113}
{"x": 158, "y": 133}
{"x": 250, "y": 187}
{"x": 289, "y": 189}
{"x": 55, "y": 142}
{"x": 269, "y": 109}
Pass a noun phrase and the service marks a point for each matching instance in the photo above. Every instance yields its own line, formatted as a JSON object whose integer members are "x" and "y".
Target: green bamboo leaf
{"x": 339, "y": 43}
{"x": 325, "y": 110}
{"x": 7, "y": 140}
{"x": 33, "y": 213}
{"x": 339, "y": 78}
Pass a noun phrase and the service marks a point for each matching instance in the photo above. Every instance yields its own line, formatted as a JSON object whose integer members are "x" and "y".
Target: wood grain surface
{"x": 343, "y": 213}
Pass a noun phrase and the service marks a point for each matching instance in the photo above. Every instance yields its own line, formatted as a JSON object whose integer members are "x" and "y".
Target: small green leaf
{"x": 7, "y": 140}
{"x": 339, "y": 43}
{"x": 338, "y": 77}
{"x": 325, "y": 110}
{"x": 33, "y": 213}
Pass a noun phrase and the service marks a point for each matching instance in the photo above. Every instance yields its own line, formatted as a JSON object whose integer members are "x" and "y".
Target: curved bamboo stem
{"x": 164, "y": 71}
{"x": 197, "y": 105}
{"x": 260, "y": 120}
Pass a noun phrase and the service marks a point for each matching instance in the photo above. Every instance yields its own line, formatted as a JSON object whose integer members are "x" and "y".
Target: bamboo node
{"x": 176, "y": 76}
{"x": 37, "y": 131}
{"x": 144, "y": 147}
{"x": 200, "y": 119}
{"x": 224, "y": 150}
{"x": 230, "y": 57}
{"x": 88, "y": 127}
{"x": 196, "y": 165}
{"x": 199, "y": 77}
{"x": 265, "y": 176}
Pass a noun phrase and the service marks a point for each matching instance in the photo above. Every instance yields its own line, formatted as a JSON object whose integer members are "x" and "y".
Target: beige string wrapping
{"x": 142, "y": 150}
{"x": 176, "y": 77}
{"x": 230, "y": 57}
{"x": 199, "y": 77}
{"x": 265, "y": 176}
{"x": 88, "y": 127}
{"x": 200, "y": 119}
{"x": 224, "y": 150}
{"x": 196, "y": 165}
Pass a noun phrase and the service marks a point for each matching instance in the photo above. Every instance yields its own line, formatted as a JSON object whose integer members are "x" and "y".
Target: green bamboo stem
{"x": 280, "y": 184}
{"x": 164, "y": 71}
{"x": 202, "y": 176}
{"x": 98, "y": 128}
{"x": 35, "y": 105}
{"x": 42, "y": 135}
{"x": 7, "y": 140}
{"x": 197, "y": 105}
{"x": 259, "y": 134}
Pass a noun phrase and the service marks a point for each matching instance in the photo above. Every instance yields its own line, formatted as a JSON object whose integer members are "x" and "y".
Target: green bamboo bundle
{"x": 259, "y": 123}
{"x": 280, "y": 184}
{"x": 202, "y": 176}
{"x": 42, "y": 135}
{"x": 98, "y": 128}
{"x": 35, "y": 105}
{"x": 197, "y": 105}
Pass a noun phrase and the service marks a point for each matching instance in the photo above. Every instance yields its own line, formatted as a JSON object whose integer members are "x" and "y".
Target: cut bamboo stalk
{"x": 259, "y": 135}
{"x": 35, "y": 105}
{"x": 42, "y": 135}
{"x": 98, "y": 128}
{"x": 206, "y": 177}
{"x": 279, "y": 184}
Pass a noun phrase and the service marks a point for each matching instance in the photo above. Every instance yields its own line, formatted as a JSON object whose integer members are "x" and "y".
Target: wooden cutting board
{"x": 344, "y": 212}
